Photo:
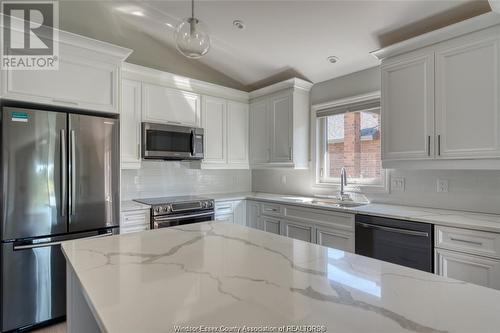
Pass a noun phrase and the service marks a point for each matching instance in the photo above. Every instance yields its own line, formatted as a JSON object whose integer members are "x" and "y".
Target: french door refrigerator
{"x": 60, "y": 181}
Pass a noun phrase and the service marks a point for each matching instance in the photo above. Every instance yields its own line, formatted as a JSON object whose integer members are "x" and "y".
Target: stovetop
{"x": 170, "y": 200}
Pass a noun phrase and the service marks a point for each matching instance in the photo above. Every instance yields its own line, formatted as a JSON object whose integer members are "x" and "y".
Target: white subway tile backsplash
{"x": 177, "y": 178}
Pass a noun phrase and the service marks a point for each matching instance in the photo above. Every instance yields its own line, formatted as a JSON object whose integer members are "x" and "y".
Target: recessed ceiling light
{"x": 333, "y": 59}
{"x": 239, "y": 24}
{"x": 137, "y": 13}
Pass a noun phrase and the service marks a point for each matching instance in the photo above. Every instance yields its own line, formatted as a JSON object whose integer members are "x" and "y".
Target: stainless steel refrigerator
{"x": 60, "y": 181}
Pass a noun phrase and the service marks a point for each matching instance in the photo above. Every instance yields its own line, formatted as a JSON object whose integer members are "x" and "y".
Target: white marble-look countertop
{"x": 444, "y": 217}
{"x": 128, "y": 205}
{"x": 215, "y": 274}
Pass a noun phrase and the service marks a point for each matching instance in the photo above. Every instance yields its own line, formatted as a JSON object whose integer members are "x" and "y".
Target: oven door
{"x": 180, "y": 219}
{"x": 160, "y": 141}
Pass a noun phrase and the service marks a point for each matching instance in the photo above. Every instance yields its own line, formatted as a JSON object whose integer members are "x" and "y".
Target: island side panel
{"x": 79, "y": 316}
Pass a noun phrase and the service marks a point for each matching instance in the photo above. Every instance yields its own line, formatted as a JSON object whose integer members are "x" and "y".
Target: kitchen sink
{"x": 337, "y": 203}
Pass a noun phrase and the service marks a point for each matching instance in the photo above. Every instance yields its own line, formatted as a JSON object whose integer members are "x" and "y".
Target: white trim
{"x": 287, "y": 84}
{"x": 154, "y": 76}
{"x": 495, "y": 5}
{"x": 454, "y": 30}
{"x": 346, "y": 101}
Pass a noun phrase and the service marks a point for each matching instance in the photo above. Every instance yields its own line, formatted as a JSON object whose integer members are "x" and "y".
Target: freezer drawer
{"x": 33, "y": 285}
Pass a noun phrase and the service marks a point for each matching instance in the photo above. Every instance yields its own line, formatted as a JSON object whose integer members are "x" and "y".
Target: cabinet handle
{"x": 466, "y": 241}
{"x": 139, "y": 151}
{"x": 429, "y": 145}
{"x": 439, "y": 144}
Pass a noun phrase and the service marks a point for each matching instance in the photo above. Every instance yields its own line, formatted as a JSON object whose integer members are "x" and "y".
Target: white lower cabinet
{"x": 334, "y": 238}
{"x": 323, "y": 227}
{"x": 272, "y": 225}
{"x": 479, "y": 270}
{"x": 231, "y": 212}
{"x": 299, "y": 230}
{"x": 134, "y": 220}
{"x": 468, "y": 255}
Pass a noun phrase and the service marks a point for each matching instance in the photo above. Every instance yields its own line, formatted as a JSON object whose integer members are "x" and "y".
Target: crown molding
{"x": 454, "y": 30}
{"x": 146, "y": 74}
{"x": 294, "y": 83}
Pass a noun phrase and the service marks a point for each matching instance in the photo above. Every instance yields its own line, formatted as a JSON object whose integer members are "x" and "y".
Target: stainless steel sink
{"x": 337, "y": 203}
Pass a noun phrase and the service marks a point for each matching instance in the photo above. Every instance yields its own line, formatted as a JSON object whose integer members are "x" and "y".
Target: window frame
{"x": 319, "y": 143}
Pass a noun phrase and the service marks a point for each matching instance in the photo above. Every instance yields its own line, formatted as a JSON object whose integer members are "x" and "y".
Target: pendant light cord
{"x": 192, "y": 9}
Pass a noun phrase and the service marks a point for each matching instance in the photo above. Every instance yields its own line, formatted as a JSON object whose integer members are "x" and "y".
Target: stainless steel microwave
{"x": 171, "y": 142}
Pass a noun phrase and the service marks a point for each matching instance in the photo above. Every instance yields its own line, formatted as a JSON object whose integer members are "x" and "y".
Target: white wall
{"x": 471, "y": 190}
{"x": 157, "y": 178}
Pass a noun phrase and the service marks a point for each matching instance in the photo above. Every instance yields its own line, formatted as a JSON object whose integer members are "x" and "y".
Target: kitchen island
{"x": 217, "y": 276}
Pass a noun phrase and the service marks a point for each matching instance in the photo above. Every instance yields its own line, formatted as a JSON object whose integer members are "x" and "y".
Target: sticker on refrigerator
{"x": 20, "y": 117}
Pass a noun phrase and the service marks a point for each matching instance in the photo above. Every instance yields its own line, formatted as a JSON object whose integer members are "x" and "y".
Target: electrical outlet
{"x": 442, "y": 185}
{"x": 283, "y": 179}
{"x": 136, "y": 180}
{"x": 398, "y": 184}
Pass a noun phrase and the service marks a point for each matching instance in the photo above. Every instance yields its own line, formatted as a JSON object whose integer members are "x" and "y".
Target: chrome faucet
{"x": 343, "y": 182}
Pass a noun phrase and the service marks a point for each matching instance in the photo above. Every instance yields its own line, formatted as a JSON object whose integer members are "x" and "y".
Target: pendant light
{"x": 191, "y": 37}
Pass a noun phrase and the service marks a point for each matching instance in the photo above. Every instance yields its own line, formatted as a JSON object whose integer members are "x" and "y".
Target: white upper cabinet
{"x": 281, "y": 114}
{"x": 440, "y": 102}
{"x": 237, "y": 133}
{"x": 467, "y": 97}
{"x": 407, "y": 107}
{"x": 213, "y": 121}
{"x": 279, "y": 125}
{"x": 130, "y": 122}
{"x": 226, "y": 133}
{"x": 161, "y": 104}
{"x": 88, "y": 77}
{"x": 260, "y": 151}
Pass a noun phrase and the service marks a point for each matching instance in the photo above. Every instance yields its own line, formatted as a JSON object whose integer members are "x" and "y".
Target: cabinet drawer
{"x": 229, "y": 218}
{"x": 133, "y": 228}
{"x": 469, "y": 241}
{"x": 135, "y": 217}
{"x": 272, "y": 209}
{"x": 225, "y": 207}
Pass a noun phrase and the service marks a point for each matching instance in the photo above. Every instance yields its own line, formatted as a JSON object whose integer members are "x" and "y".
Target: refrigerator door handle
{"x": 64, "y": 170}
{"x": 73, "y": 173}
{"x": 34, "y": 246}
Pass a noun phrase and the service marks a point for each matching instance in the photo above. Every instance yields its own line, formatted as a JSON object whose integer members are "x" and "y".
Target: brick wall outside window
{"x": 359, "y": 155}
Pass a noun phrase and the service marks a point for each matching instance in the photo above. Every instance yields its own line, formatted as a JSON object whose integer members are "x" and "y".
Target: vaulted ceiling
{"x": 280, "y": 39}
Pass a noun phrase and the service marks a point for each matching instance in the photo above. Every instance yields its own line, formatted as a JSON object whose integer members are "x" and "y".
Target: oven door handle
{"x": 192, "y": 143}
{"x": 160, "y": 219}
{"x": 396, "y": 230}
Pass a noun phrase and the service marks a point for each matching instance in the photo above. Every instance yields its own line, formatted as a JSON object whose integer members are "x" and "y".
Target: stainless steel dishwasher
{"x": 400, "y": 242}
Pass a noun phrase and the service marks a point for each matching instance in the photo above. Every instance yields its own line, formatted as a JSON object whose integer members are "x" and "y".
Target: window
{"x": 351, "y": 139}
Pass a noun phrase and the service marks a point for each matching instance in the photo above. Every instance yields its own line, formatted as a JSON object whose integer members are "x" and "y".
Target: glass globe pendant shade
{"x": 191, "y": 38}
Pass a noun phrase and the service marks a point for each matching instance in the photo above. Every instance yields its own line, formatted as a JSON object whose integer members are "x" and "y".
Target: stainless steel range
{"x": 172, "y": 211}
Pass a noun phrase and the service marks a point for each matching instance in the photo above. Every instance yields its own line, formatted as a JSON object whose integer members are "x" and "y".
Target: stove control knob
{"x": 168, "y": 208}
{"x": 210, "y": 204}
{"x": 205, "y": 204}
{"x": 158, "y": 209}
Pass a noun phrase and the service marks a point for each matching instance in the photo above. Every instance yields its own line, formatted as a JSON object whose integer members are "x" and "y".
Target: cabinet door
{"x": 299, "y": 230}
{"x": 271, "y": 225}
{"x": 130, "y": 121}
{"x": 407, "y": 108}
{"x": 167, "y": 105}
{"x": 474, "y": 269}
{"x": 253, "y": 215}
{"x": 82, "y": 81}
{"x": 281, "y": 112}
{"x": 228, "y": 218}
{"x": 237, "y": 133}
{"x": 467, "y": 98}
{"x": 259, "y": 132}
{"x": 214, "y": 124}
{"x": 336, "y": 239}
{"x": 240, "y": 212}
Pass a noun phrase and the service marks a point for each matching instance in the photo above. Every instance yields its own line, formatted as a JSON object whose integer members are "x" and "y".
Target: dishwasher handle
{"x": 394, "y": 230}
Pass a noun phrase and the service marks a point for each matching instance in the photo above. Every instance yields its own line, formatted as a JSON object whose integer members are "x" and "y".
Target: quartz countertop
{"x": 128, "y": 205}
{"x": 444, "y": 217}
{"x": 215, "y": 273}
